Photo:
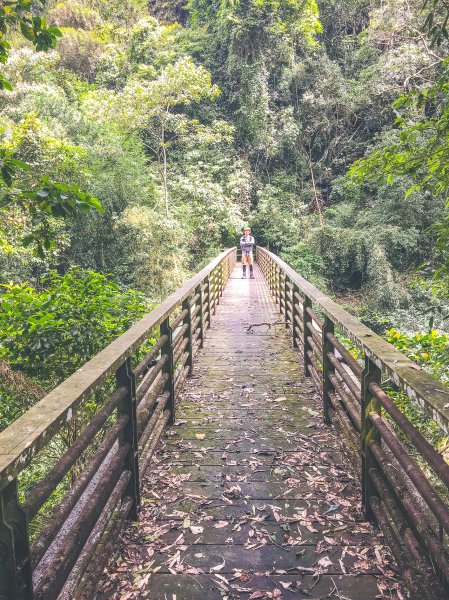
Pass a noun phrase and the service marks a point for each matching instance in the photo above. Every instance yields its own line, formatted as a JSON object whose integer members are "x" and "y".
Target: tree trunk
{"x": 317, "y": 200}
{"x": 164, "y": 169}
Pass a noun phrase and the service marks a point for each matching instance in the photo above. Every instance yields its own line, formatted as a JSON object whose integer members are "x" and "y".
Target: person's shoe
{"x": 252, "y": 277}
{"x": 244, "y": 276}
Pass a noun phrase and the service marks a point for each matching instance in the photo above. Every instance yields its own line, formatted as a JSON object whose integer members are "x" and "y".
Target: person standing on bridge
{"x": 247, "y": 243}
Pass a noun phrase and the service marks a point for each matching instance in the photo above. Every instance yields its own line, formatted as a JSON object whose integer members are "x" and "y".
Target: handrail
{"x": 405, "y": 491}
{"x": 130, "y": 421}
{"x": 424, "y": 389}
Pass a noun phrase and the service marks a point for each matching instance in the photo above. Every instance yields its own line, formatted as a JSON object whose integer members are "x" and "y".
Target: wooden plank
{"x": 188, "y": 587}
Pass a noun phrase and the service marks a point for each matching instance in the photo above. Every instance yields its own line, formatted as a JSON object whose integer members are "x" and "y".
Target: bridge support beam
{"x": 15, "y": 565}
{"x": 285, "y": 298}
{"x": 371, "y": 374}
{"x": 306, "y": 318}
{"x": 328, "y": 367}
{"x": 207, "y": 291}
{"x": 189, "y": 333}
{"x": 168, "y": 367}
{"x": 295, "y": 315}
{"x": 128, "y": 406}
{"x": 199, "y": 290}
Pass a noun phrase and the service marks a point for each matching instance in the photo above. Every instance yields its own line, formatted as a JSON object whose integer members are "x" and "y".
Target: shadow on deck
{"x": 250, "y": 495}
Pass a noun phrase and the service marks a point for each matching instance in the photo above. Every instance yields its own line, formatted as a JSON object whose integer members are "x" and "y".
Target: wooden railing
{"x": 134, "y": 382}
{"x": 404, "y": 479}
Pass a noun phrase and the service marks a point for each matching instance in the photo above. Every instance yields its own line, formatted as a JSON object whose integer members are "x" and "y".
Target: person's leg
{"x": 251, "y": 267}
{"x": 244, "y": 272}
{"x": 244, "y": 265}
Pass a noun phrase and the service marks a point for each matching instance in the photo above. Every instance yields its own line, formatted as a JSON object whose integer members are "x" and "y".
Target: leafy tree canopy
{"x": 46, "y": 198}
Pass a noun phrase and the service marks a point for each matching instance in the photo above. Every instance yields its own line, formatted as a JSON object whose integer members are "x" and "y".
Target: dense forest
{"x": 138, "y": 138}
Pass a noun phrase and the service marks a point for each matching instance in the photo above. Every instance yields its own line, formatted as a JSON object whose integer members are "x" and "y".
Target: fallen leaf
{"x": 196, "y": 529}
{"x": 325, "y": 562}
{"x": 217, "y": 567}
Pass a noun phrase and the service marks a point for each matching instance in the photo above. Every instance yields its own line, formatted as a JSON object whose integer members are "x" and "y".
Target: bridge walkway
{"x": 250, "y": 495}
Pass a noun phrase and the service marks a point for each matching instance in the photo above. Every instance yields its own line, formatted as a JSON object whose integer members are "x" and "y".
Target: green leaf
{"x": 27, "y": 31}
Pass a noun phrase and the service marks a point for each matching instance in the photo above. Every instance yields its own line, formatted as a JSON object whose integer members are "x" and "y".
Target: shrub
{"x": 75, "y": 15}
{"x": 17, "y": 394}
{"x": 80, "y": 52}
{"x": 49, "y": 331}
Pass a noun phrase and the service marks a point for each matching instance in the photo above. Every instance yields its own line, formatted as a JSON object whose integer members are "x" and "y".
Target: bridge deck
{"x": 250, "y": 496}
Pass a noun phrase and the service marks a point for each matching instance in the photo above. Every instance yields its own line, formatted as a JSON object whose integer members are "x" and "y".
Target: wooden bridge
{"x": 229, "y": 446}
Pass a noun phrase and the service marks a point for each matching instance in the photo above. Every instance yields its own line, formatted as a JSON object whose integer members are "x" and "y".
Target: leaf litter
{"x": 313, "y": 520}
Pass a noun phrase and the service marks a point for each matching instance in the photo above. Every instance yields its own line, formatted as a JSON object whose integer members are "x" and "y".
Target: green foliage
{"x": 419, "y": 152}
{"x": 251, "y": 42}
{"x": 430, "y": 350}
{"x": 436, "y": 23}
{"x": 154, "y": 44}
{"x": 420, "y": 149}
{"x": 17, "y": 394}
{"x": 10, "y": 165}
{"x": 45, "y": 198}
{"x": 15, "y": 13}
{"x": 80, "y": 51}
{"x": 48, "y": 199}
{"x": 49, "y": 331}
{"x": 307, "y": 262}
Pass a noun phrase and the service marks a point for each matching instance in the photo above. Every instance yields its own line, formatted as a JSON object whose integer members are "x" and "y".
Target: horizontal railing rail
{"x": 93, "y": 486}
{"x": 404, "y": 479}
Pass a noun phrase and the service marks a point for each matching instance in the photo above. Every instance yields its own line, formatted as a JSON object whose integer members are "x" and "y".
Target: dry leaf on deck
{"x": 196, "y": 529}
{"x": 217, "y": 567}
{"x": 221, "y": 524}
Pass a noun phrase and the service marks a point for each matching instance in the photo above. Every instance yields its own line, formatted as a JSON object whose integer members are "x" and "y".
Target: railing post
{"x": 295, "y": 313}
{"x": 371, "y": 374}
{"x": 328, "y": 367}
{"x": 217, "y": 285}
{"x": 224, "y": 267}
{"x": 278, "y": 287}
{"x": 189, "y": 333}
{"x": 212, "y": 292}
{"x": 128, "y": 406}
{"x": 208, "y": 303}
{"x": 199, "y": 290}
{"x": 267, "y": 264}
{"x": 168, "y": 368}
{"x": 14, "y": 548}
{"x": 269, "y": 269}
{"x": 306, "y": 318}
{"x": 285, "y": 294}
